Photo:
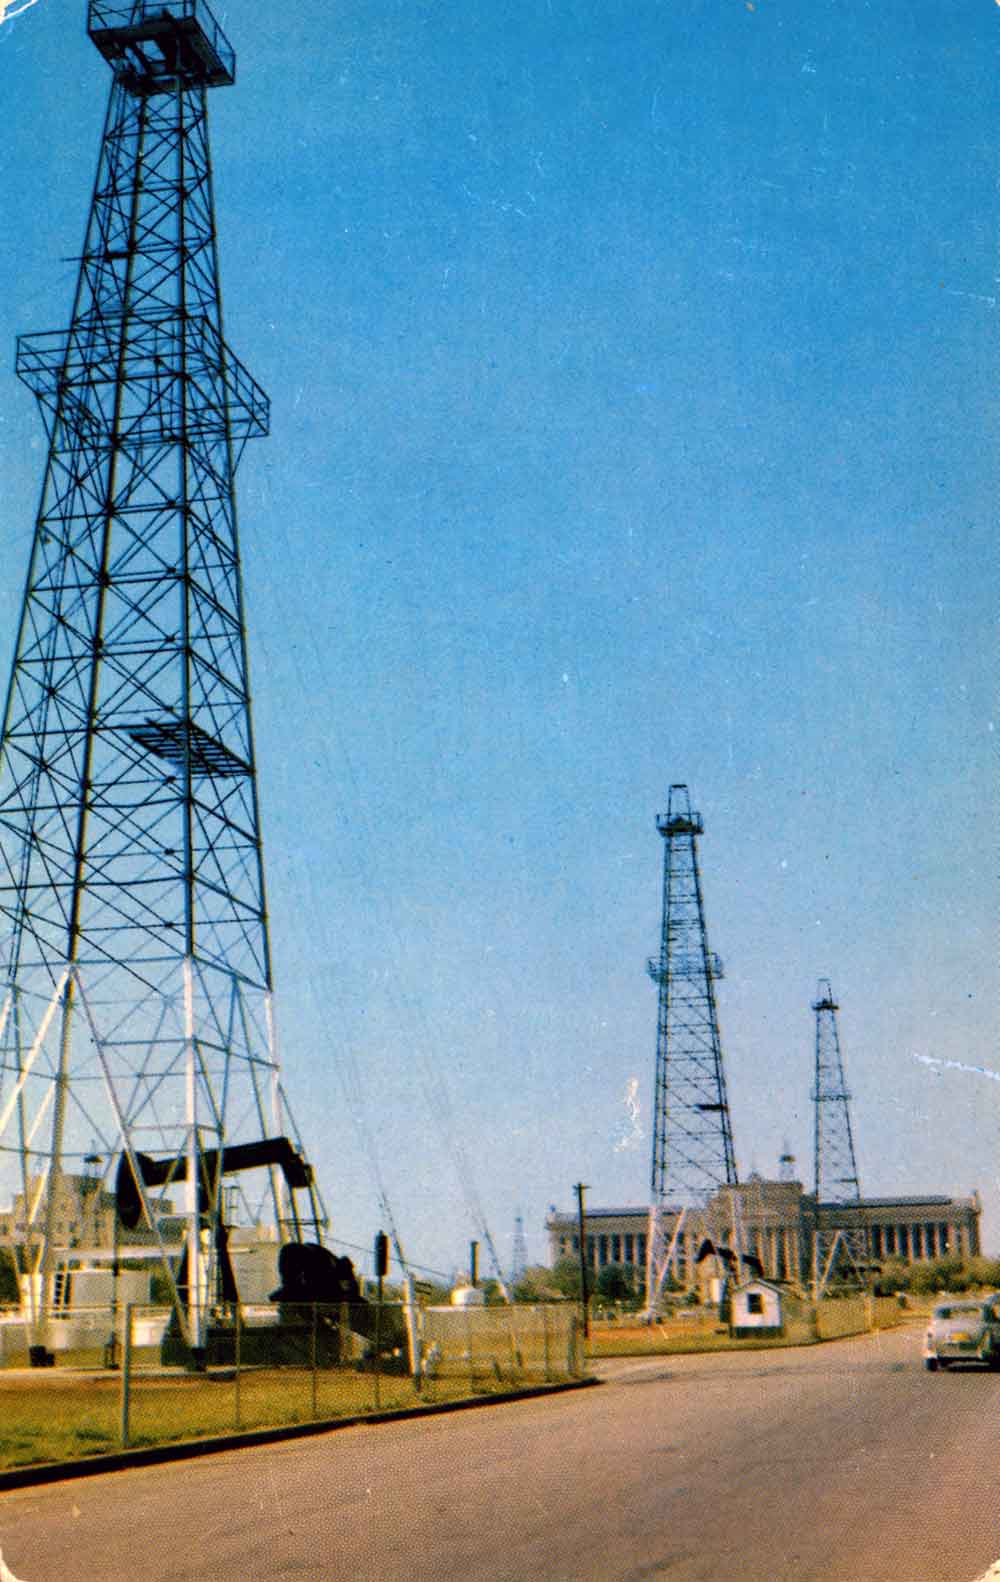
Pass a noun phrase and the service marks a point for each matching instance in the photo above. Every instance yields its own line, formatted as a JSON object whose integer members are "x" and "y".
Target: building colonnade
{"x": 774, "y": 1222}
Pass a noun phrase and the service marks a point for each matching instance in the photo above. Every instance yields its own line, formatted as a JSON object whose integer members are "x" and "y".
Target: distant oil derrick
{"x": 839, "y": 1253}
{"x": 693, "y": 1157}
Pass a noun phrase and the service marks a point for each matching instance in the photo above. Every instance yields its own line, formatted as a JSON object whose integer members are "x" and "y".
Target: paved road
{"x": 843, "y": 1463}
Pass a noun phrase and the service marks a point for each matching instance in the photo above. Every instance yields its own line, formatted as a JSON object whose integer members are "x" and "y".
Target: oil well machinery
{"x": 136, "y": 1010}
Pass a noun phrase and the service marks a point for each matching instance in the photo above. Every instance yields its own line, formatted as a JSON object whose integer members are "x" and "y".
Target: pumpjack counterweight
{"x": 693, "y": 1156}
{"x": 136, "y": 967}
{"x": 841, "y": 1254}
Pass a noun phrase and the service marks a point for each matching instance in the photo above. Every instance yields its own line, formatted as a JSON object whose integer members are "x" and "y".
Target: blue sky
{"x": 633, "y": 421}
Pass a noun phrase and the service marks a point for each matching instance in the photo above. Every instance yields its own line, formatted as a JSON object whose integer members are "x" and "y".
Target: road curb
{"x": 188, "y": 1449}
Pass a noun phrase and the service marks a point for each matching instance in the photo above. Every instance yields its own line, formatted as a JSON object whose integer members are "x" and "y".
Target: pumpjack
{"x": 319, "y": 1298}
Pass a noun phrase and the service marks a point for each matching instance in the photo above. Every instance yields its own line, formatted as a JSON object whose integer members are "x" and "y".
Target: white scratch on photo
{"x": 633, "y": 1136}
{"x": 958, "y": 1065}
{"x": 7, "y": 15}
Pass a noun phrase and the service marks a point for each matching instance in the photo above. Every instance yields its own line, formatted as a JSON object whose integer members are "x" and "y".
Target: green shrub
{"x": 565, "y": 1277}
{"x": 617, "y": 1282}
{"x": 984, "y": 1271}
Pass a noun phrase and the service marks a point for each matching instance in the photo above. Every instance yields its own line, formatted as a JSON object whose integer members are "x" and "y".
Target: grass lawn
{"x": 646, "y": 1340}
{"x": 61, "y": 1416}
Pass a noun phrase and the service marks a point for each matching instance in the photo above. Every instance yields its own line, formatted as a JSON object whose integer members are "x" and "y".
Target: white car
{"x": 965, "y": 1330}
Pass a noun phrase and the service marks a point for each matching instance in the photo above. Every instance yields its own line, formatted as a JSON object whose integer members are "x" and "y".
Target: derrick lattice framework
{"x": 693, "y": 1157}
{"x": 136, "y": 971}
{"x": 839, "y": 1251}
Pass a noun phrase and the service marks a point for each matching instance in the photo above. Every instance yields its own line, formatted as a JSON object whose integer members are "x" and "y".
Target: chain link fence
{"x": 135, "y": 1378}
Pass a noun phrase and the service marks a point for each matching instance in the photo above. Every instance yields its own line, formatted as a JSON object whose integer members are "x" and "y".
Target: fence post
{"x": 412, "y": 1334}
{"x": 126, "y": 1391}
{"x": 575, "y": 1354}
{"x": 378, "y": 1345}
{"x": 469, "y": 1346}
{"x": 236, "y": 1359}
{"x": 545, "y": 1343}
{"x": 315, "y": 1373}
{"x": 516, "y": 1355}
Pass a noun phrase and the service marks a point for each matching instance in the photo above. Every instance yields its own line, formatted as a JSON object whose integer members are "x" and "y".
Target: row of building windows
{"x": 602, "y": 1250}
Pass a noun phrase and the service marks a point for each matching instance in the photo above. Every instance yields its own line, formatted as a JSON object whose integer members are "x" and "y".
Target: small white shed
{"x": 756, "y": 1308}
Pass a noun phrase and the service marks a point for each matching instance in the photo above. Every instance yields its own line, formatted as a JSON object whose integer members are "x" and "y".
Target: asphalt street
{"x": 845, "y": 1463}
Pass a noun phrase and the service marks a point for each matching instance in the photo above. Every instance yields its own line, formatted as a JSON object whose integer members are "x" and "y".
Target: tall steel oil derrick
{"x": 840, "y": 1241}
{"x": 135, "y": 974}
{"x": 693, "y": 1157}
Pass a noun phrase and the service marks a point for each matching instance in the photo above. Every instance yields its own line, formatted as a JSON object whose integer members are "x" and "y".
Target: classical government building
{"x": 83, "y": 1214}
{"x": 778, "y": 1219}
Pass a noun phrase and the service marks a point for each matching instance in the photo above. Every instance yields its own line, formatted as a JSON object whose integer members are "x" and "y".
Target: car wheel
{"x": 931, "y": 1364}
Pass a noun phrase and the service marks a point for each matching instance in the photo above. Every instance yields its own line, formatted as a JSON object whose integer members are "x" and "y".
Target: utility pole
{"x": 693, "y": 1156}
{"x": 381, "y": 1262}
{"x": 580, "y": 1189}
